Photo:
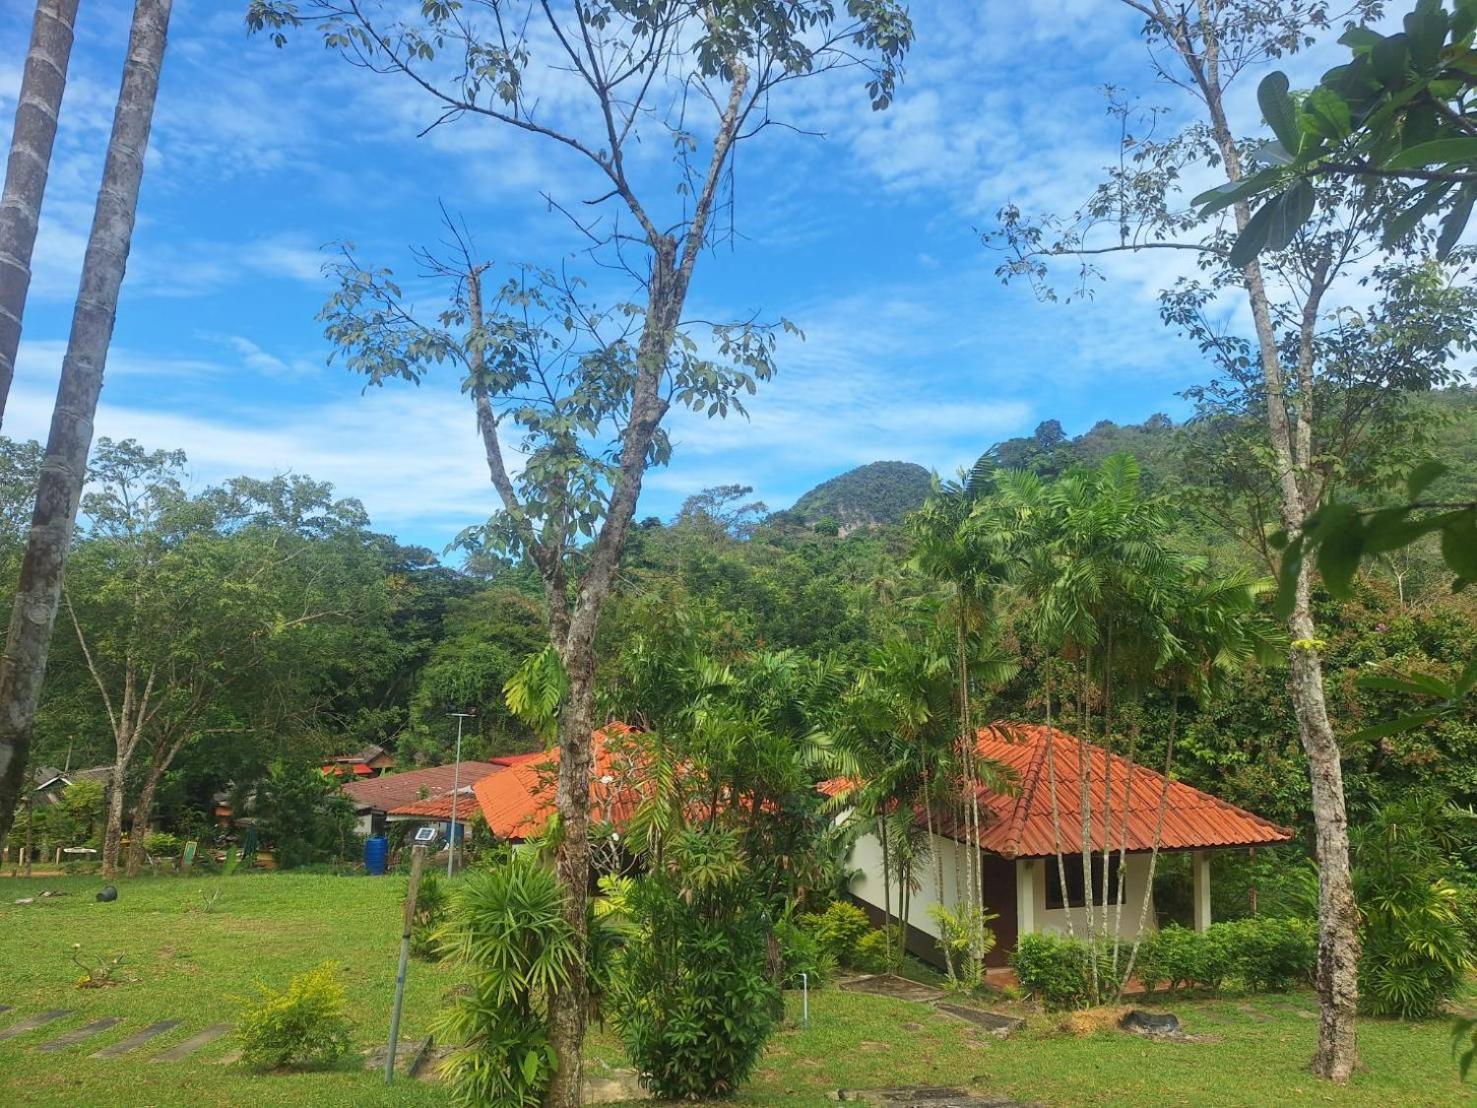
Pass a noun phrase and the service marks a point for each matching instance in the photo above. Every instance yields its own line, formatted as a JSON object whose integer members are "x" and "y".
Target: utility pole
{"x": 456, "y": 784}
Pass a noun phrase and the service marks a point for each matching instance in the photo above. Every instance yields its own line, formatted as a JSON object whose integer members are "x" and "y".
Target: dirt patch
{"x": 875, "y": 1048}
{"x": 1092, "y": 1020}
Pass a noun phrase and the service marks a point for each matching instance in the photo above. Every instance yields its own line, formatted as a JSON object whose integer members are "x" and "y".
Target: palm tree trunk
{"x": 37, "y": 110}
{"x": 1056, "y": 811}
{"x": 64, "y": 469}
{"x": 1138, "y": 939}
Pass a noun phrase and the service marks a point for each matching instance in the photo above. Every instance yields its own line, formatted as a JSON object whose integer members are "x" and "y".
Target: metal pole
{"x": 417, "y": 860}
{"x": 456, "y": 784}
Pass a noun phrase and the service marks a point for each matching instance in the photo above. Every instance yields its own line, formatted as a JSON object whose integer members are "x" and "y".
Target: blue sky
{"x": 865, "y": 239}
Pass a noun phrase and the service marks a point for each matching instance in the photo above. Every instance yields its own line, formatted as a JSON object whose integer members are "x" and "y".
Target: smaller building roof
{"x": 518, "y": 802}
{"x": 439, "y": 807}
{"x": 1020, "y": 824}
{"x": 395, "y": 790}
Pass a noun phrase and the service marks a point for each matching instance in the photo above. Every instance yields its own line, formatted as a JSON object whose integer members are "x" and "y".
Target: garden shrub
{"x": 1054, "y": 969}
{"x": 1260, "y": 954}
{"x": 966, "y": 936}
{"x": 802, "y": 951}
{"x": 690, "y": 995}
{"x": 430, "y": 911}
{"x": 1269, "y": 954}
{"x": 304, "y": 1025}
{"x": 876, "y": 951}
{"x": 161, "y": 844}
{"x": 839, "y": 929}
{"x": 1416, "y": 946}
{"x": 506, "y": 927}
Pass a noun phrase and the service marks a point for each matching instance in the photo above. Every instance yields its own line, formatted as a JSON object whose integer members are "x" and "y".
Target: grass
{"x": 197, "y": 965}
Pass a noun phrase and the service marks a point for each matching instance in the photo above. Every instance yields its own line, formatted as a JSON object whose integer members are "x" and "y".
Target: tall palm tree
{"x": 37, "y": 110}
{"x": 64, "y": 469}
{"x": 966, "y": 560}
{"x": 1217, "y": 630}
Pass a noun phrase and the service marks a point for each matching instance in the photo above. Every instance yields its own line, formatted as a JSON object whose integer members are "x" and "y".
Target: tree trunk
{"x": 1289, "y": 429}
{"x": 113, "y": 825}
{"x": 64, "y": 469}
{"x": 36, "y": 112}
{"x": 569, "y": 1004}
{"x": 1338, "y": 916}
{"x": 143, "y": 812}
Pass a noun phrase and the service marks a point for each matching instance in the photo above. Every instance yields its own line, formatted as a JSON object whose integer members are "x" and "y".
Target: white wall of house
{"x": 866, "y": 856}
{"x": 1135, "y": 879}
{"x": 1029, "y": 892}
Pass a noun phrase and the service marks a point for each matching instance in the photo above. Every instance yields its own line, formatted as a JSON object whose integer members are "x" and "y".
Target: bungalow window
{"x": 1073, "y": 865}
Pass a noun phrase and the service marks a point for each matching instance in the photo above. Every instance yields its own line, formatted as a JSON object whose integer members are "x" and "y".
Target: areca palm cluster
{"x": 1110, "y": 608}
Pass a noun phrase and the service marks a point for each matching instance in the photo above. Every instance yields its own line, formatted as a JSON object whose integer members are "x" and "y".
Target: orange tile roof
{"x": 518, "y": 802}
{"x": 1020, "y": 825}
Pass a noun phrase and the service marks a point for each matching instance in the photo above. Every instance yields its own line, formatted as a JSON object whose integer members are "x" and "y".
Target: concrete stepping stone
{"x": 995, "y": 1023}
{"x": 890, "y": 984}
{"x": 86, "y": 1031}
{"x": 137, "y": 1039}
{"x": 193, "y": 1043}
{"x": 34, "y": 1022}
{"x": 927, "y": 1096}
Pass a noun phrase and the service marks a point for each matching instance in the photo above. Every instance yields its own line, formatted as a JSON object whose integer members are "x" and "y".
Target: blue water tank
{"x": 376, "y": 855}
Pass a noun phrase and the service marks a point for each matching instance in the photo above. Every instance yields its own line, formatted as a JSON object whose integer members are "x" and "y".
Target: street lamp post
{"x": 456, "y": 784}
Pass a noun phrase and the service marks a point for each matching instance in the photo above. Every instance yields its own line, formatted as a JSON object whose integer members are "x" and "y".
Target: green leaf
{"x": 1459, "y": 545}
{"x": 1417, "y": 684}
{"x": 1396, "y": 726}
{"x": 1406, "y": 221}
{"x": 1253, "y": 236}
{"x": 1388, "y": 59}
{"x": 1279, "y": 111}
{"x": 1421, "y": 477}
{"x": 1339, "y": 533}
{"x": 1455, "y": 222}
{"x": 1442, "y": 151}
{"x": 1223, "y": 196}
{"x": 1296, "y": 207}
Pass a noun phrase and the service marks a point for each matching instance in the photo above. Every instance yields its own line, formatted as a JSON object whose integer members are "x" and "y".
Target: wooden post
{"x": 417, "y": 862}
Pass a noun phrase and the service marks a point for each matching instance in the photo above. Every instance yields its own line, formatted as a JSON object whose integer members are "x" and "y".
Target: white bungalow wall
{"x": 866, "y": 856}
{"x": 1135, "y": 879}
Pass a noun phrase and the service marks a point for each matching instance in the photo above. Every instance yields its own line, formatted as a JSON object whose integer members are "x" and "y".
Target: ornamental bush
{"x": 689, "y": 994}
{"x": 304, "y": 1025}
{"x": 1054, "y": 969}
{"x": 506, "y": 929}
{"x": 847, "y": 935}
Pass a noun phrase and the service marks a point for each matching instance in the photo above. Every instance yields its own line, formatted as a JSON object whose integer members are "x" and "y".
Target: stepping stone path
{"x": 927, "y": 1096}
{"x": 34, "y": 1022}
{"x": 86, "y": 1031}
{"x": 890, "y": 984}
{"x": 193, "y": 1043}
{"x": 996, "y": 1024}
{"x": 137, "y": 1039}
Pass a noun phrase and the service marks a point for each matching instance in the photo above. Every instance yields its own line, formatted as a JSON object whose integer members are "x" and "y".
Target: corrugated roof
{"x": 395, "y": 790}
{"x": 518, "y": 802}
{"x": 1020, "y": 825}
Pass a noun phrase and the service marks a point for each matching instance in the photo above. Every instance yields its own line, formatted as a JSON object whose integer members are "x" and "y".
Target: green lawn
{"x": 194, "y": 966}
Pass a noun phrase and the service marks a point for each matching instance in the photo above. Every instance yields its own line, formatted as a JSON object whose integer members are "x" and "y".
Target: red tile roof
{"x": 395, "y": 790}
{"x": 1020, "y": 825}
{"x": 518, "y": 802}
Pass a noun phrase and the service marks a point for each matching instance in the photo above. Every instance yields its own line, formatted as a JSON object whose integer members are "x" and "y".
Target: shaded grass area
{"x": 198, "y": 965}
